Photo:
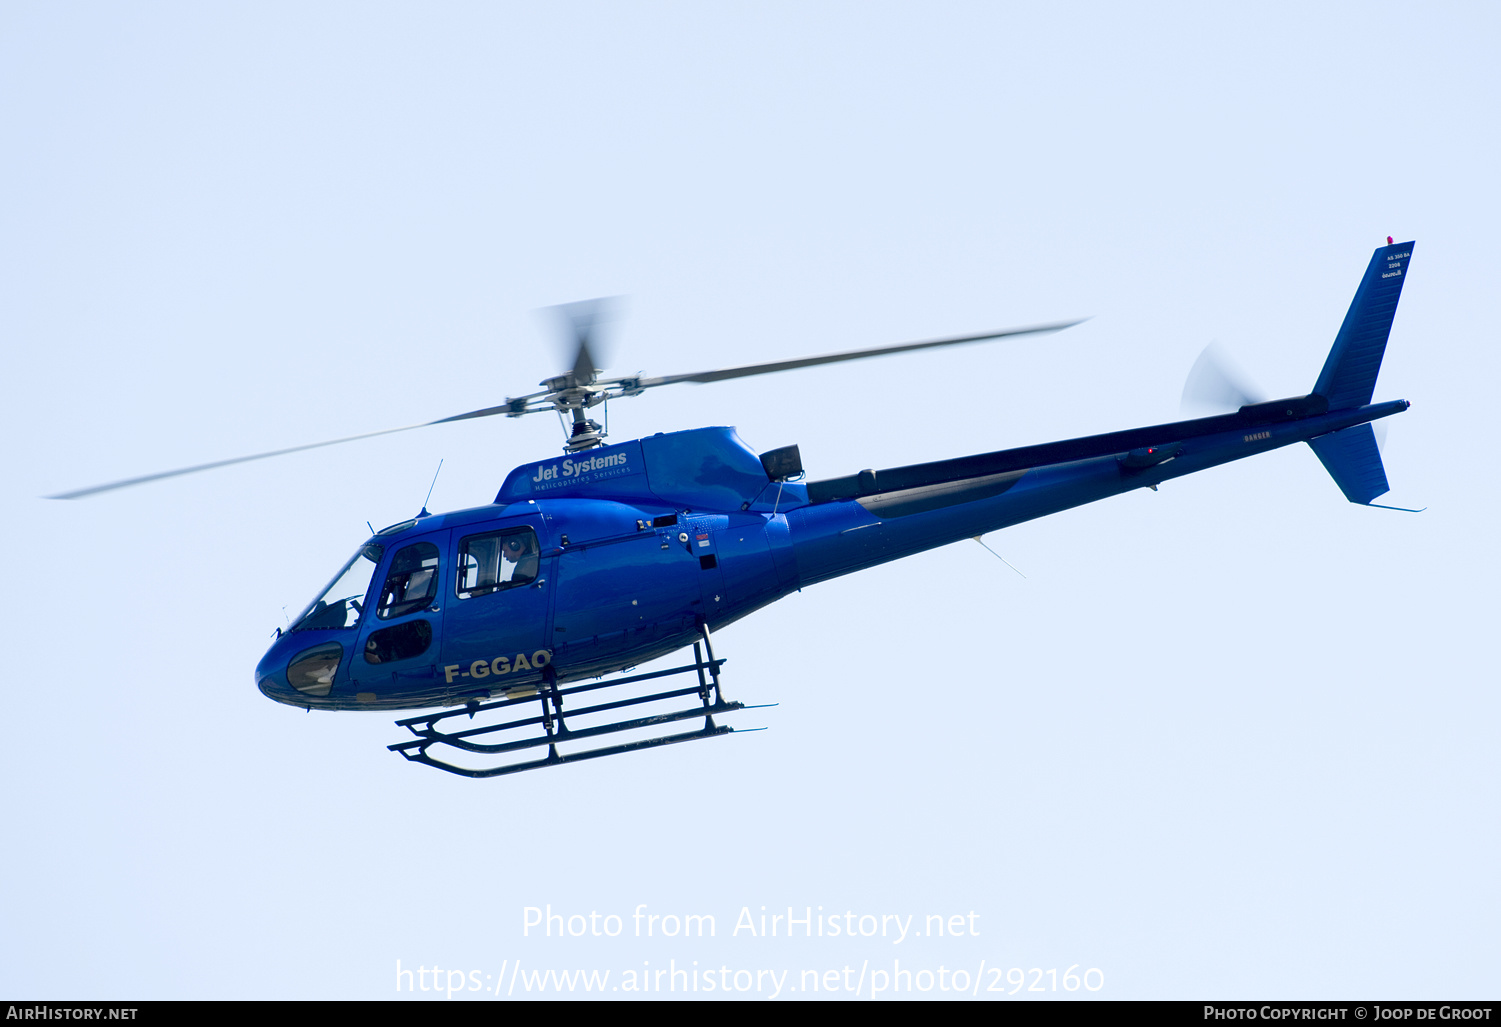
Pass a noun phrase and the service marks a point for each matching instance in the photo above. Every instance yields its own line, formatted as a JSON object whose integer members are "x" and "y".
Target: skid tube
{"x": 556, "y": 731}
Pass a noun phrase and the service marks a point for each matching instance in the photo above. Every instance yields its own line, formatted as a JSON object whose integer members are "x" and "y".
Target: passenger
{"x": 519, "y": 558}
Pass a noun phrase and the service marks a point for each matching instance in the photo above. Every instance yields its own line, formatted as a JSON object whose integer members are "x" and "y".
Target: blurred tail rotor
{"x": 1216, "y": 384}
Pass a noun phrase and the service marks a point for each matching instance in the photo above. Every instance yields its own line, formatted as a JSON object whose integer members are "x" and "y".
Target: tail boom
{"x": 931, "y": 507}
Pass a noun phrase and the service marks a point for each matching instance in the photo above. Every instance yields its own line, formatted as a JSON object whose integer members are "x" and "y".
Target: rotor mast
{"x": 567, "y": 394}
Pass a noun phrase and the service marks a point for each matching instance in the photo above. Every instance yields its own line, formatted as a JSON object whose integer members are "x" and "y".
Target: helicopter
{"x": 612, "y": 555}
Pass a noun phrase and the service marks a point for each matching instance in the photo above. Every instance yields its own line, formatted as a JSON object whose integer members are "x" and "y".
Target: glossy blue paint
{"x": 1349, "y": 375}
{"x": 701, "y": 469}
{"x": 1353, "y": 461}
{"x": 643, "y": 541}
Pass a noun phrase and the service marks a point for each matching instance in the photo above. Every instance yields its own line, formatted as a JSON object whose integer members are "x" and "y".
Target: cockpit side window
{"x": 411, "y": 583}
{"x": 495, "y": 561}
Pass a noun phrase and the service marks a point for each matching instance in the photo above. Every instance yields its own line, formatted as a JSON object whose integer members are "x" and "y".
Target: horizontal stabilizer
{"x": 1349, "y": 376}
{"x": 1353, "y": 461}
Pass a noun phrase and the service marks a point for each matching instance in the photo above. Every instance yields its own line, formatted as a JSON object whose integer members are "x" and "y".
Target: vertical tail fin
{"x": 1349, "y": 376}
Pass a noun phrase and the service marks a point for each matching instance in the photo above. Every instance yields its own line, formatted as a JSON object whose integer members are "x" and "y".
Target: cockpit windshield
{"x": 341, "y": 604}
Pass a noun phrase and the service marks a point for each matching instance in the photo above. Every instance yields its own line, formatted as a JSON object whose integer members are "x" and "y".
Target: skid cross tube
{"x": 555, "y": 730}
{"x": 561, "y": 732}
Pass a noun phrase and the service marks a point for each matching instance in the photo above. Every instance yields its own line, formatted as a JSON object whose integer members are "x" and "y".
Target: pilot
{"x": 519, "y": 558}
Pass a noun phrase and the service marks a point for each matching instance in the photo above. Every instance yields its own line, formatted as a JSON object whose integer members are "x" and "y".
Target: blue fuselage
{"x": 627, "y": 549}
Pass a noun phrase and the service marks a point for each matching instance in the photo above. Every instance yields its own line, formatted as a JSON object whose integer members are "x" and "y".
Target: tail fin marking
{"x": 1349, "y": 376}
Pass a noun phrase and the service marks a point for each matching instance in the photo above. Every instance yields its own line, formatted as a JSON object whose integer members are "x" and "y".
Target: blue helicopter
{"x": 613, "y": 555}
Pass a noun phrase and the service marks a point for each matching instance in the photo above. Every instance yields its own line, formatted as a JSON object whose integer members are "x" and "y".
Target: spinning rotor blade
{"x": 143, "y": 479}
{"x": 859, "y": 354}
{"x": 577, "y": 388}
{"x": 511, "y": 406}
{"x": 583, "y": 320}
{"x": 1216, "y": 383}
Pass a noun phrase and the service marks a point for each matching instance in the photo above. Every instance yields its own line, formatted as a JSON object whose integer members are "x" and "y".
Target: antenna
{"x": 981, "y": 539}
{"x": 430, "y": 489}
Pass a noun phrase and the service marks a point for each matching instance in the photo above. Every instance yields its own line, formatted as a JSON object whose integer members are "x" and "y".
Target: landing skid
{"x": 555, "y": 730}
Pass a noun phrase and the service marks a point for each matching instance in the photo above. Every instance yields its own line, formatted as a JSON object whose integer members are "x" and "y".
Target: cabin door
{"x": 496, "y": 612}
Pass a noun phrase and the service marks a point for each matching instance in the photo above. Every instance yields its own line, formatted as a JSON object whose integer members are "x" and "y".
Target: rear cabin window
{"x": 411, "y": 583}
{"x": 495, "y": 561}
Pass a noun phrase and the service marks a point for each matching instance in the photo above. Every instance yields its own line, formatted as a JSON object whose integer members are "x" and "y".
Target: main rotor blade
{"x": 585, "y": 318}
{"x": 859, "y": 354}
{"x": 143, "y": 479}
{"x": 582, "y": 320}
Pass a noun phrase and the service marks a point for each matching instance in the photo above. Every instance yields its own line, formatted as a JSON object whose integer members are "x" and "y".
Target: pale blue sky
{"x": 1234, "y": 738}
